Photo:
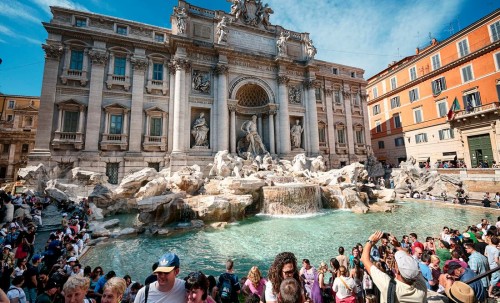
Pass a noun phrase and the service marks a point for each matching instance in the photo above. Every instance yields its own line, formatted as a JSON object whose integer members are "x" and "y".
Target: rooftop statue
{"x": 310, "y": 49}
{"x": 251, "y": 12}
{"x": 181, "y": 16}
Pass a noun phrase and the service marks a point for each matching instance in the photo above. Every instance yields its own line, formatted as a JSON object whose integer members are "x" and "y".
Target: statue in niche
{"x": 281, "y": 43}
{"x": 252, "y": 138}
{"x": 237, "y": 8}
{"x": 200, "y": 131}
{"x": 181, "y": 16}
{"x": 310, "y": 49}
{"x": 294, "y": 93}
{"x": 222, "y": 29}
{"x": 201, "y": 82}
{"x": 296, "y": 134}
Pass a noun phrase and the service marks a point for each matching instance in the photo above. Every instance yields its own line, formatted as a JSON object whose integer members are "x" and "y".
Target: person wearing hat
{"x": 168, "y": 288}
{"x": 457, "y": 273}
{"x": 31, "y": 274}
{"x": 460, "y": 292}
{"x": 409, "y": 283}
{"x": 48, "y": 295}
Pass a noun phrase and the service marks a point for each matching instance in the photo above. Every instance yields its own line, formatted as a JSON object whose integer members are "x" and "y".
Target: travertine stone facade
{"x": 120, "y": 95}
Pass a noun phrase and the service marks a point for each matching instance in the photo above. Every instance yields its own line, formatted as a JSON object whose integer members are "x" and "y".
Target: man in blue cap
{"x": 167, "y": 288}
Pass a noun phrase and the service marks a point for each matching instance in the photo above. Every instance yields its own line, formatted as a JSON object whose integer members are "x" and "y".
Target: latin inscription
{"x": 252, "y": 41}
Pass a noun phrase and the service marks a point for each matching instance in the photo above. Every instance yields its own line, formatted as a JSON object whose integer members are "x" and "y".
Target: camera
{"x": 385, "y": 235}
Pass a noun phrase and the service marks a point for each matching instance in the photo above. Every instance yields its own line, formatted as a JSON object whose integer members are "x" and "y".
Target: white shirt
{"x": 176, "y": 295}
{"x": 341, "y": 290}
{"x": 16, "y": 292}
{"x": 416, "y": 293}
{"x": 269, "y": 294}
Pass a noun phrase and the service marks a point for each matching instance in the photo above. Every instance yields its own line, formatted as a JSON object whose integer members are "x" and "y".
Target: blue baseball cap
{"x": 167, "y": 263}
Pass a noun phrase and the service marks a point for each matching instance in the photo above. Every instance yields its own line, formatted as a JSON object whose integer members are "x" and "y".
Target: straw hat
{"x": 460, "y": 292}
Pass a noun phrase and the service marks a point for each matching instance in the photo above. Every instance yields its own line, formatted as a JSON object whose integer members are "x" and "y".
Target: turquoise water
{"x": 256, "y": 241}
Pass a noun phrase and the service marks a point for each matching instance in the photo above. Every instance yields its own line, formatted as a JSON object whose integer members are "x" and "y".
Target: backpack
{"x": 226, "y": 287}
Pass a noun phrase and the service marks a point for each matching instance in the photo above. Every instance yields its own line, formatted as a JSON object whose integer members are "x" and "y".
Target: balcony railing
{"x": 481, "y": 109}
{"x": 152, "y": 143}
{"x": 67, "y": 138}
{"x": 121, "y": 80}
{"x": 110, "y": 140}
{"x": 118, "y": 78}
{"x": 75, "y": 75}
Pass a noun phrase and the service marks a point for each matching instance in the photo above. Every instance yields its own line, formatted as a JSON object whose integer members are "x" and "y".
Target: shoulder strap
{"x": 391, "y": 291}
{"x": 345, "y": 284}
{"x": 12, "y": 287}
{"x": 146, "y": 293}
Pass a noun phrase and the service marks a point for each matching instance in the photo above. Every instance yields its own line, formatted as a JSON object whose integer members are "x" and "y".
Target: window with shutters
{"x": 394, "y": 83}
{"x": 497, "y": 60}
{"x": 442, "y": 108}
{"x": 397, "y": 120}
{"x": 463, "y": 47}
{"x": 76, "y": 61}
{"x": 413, "y": 94}
{"x": 395, "y": 102}
{"x": 420, "y": 138}
{"x": 471, "y": 100}
{"x": 120, "y": 66}
{"x": 376, "y": 109}
{"x": 12, "y": 104}
{"x": 155, "y": 127}
{"x": 413, "y": 73}
{"x": 375, "y": 92}
{"x": 336, "y": 95}
{"x": 417, "y": 114}
{"x": 341, "y": 135}
{"x": 438, "y": 86}
{"x": 70, "y": 124}
{"x": 495, "y": 31}
{"x": 436, "y": 61}
{"x": 378, "y": 126}
{"x": 467, "y": 74}
{"x": 446, "y": 134}
{"x": 359, "y": 136}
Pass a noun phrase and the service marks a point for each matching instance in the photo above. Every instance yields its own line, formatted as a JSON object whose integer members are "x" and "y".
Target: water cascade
{"x": 287, "y": 199}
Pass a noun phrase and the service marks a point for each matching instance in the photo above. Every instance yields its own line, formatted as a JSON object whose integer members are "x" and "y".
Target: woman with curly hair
{"x": 255, "y": 282}
{"x": 197, "y": 288}
{"x": 283, "y": 267}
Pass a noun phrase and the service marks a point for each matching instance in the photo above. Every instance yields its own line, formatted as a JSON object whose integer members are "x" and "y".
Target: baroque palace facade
{"x": 442, "y": 103}
{"x": 119, "y": 95}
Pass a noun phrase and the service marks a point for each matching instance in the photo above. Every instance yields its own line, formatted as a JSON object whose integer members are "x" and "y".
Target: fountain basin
{"x": 291, "y": 199}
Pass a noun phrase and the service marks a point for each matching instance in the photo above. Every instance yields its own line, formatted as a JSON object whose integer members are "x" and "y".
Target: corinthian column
{"x": 139, "y": 64}
{"x": 232, "y": 109}
{"x": 47, "y": 99}
{"x": 283, "y": 116}
{"x": 99, "y": 58}
{"x": 180, "y": 66}
{"x": 312, "y": 116}
{"x": 272, "y": 144}
{"x": 222, "y": 111}
{"x": 346, "y": 100}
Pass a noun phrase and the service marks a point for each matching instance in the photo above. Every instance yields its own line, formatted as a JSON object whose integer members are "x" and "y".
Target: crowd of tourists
{"x": 378, "y": 269}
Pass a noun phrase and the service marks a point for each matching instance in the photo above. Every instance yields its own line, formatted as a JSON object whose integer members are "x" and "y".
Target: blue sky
{"x": 364, "y": 33}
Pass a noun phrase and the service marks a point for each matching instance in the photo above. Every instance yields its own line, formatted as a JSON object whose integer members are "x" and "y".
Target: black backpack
{"x": 226, "y": 287}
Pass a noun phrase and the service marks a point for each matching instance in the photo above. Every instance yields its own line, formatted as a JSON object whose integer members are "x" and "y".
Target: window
{"x": 25, "y": 148}
{"x": 497, "y": 60}
{"x": 121, "y": 30}
{"x": 381, "y": 144}
{"x": 80, "y": 22}
{"x": 378, "y": 127}
{"x": 70, "y": 122}
{"x": 467, "y": 74}
{"x": 120, "y": 64}
{"x": 115, "y": 126}
{"x": 399, "y": 141}
{"x": 375, "y": 92}
{"x": 12, "y": 104}
{"x": 417, "y": 113}
{"x": 395, "y": 102}
{"x": 393, "y": 83}
{"x": 438, "y": 86}
{"x": 445, "y": 134}
{"x": 442, "y": 108}
{"x": 155, "y": 127}
{"x": 317, "y": 93}
{"x": 112, "y": 172}
{"x": 159, "y": 37}
{"x": 413, "y": 73}
{"x": 420, "y": 138}
{"x": 10, "y": 118}
{"x": 436, "y": 62}
{"x": 397, "y": 120}
{"x": 376, "y": 109}
{"x": 337, "y": 97}
{"x": 341, "y": 135}
{"x": 471, "y": 100}
{"x": 413, "y": 95}
{"x": 359, "y": 136}
{"x": 335, "y": 71}
{"x": 322, "y": 133}
{"x": 6, "y": 148}
{"x": 76, "y": 62}
{"x": 158, "y": 71}
{"x": 495, "y": 31}
{"x": 353, "y": 75}
{"x": 463, "y": 48}
{"x": 357, "y": 99}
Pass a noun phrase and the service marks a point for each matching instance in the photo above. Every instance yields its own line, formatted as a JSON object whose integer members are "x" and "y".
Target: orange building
{"x": 412, "y": 108}
{"x": 18, "y": 123}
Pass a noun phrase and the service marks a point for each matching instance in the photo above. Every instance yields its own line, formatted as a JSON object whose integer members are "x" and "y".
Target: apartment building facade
{"x": 18, "y": 125}
{"x": 442, "y": 103}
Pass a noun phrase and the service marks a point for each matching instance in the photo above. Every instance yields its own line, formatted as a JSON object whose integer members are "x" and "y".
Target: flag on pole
{"x": 454, "y": 107}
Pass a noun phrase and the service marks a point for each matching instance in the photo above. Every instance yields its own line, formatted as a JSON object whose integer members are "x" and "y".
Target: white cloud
{"x": 46, "y": 4}
{"x": 8, "y": 32}
{"x": 4, "y": 30}
{"x": 365, "y": 34}
{"x": 15, "y": 10}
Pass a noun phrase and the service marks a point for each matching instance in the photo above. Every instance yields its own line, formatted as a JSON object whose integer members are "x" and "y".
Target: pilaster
{"x": 312, "y": 118}
{"x": 346, "y": 94}
{"x": 222, "y": 111}
{"x": 330, "y": 123}
{"x": 179, "y": 114}
{"x": 283, "y": 116}
{"x": 139, "y": 65}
